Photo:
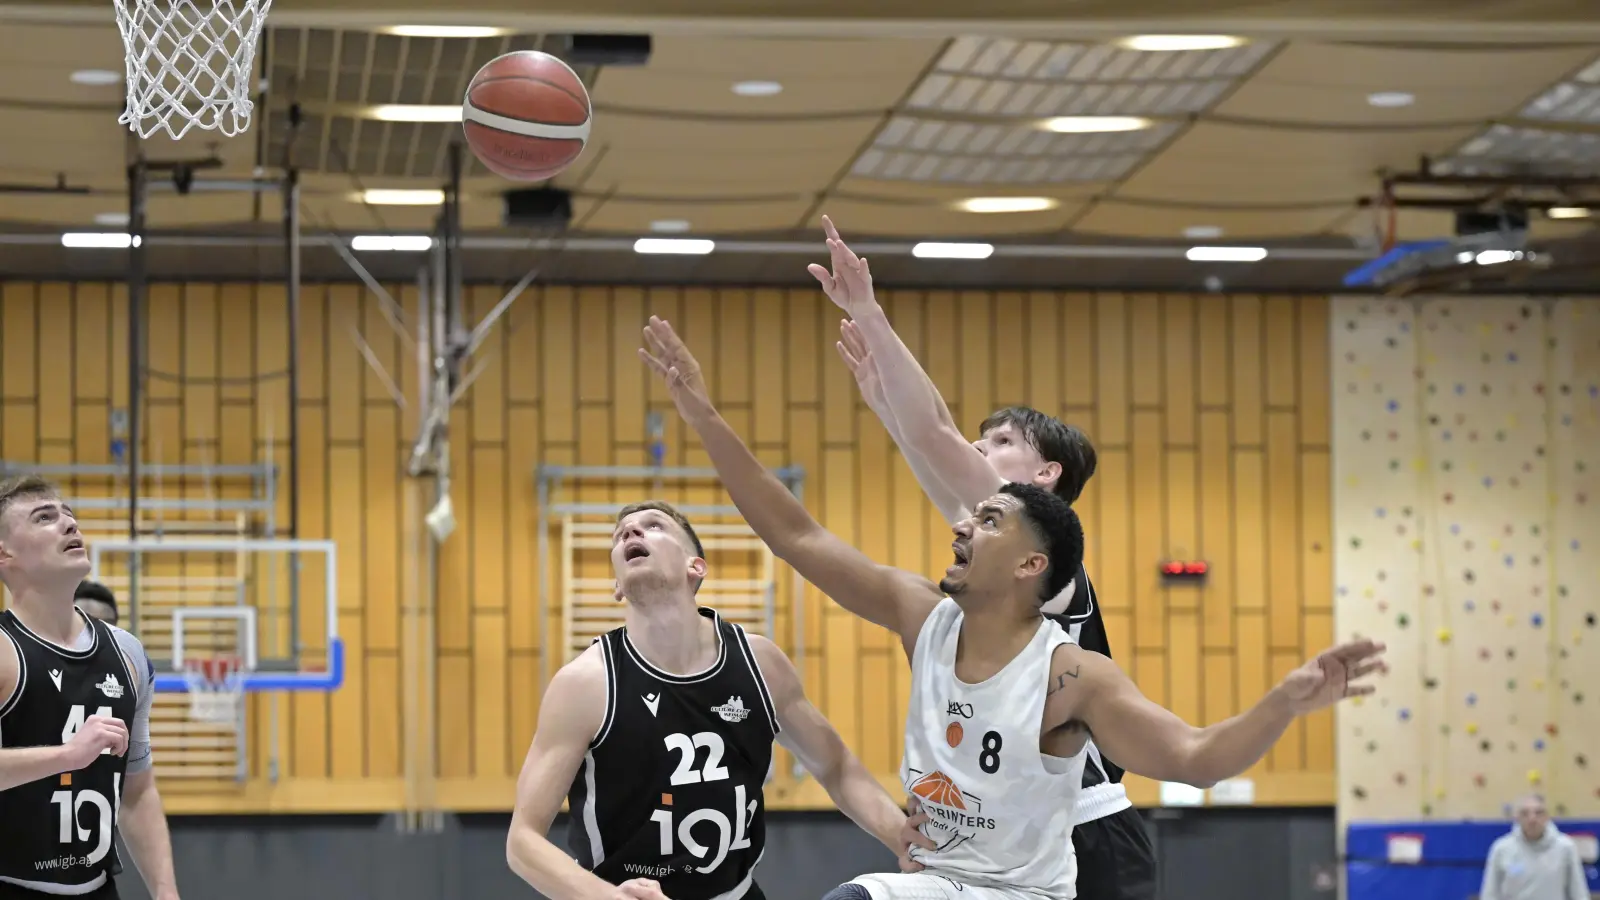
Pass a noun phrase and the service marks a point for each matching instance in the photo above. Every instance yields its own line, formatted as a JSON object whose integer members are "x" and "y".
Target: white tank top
{"x": 1001, "y": 811}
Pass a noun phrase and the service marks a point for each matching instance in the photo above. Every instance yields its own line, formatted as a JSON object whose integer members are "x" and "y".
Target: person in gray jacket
{"x": 1535, "y": 861}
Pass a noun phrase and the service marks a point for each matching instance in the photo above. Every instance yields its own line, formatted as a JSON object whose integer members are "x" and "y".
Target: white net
{"x": 216, "y": 689}
{"x": 191, "y": 63}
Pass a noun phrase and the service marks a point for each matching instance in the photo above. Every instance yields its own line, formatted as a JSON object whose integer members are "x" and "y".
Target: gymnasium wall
{"x": 1466, "y": 476}
{"x": 1211, "y": 415}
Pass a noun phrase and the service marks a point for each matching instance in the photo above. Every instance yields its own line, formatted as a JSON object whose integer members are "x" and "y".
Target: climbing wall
{"x": 1467, "y": 521}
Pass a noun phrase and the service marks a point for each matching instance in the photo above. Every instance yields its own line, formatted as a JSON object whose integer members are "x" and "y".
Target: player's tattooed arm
{"x": 895, "y": 599}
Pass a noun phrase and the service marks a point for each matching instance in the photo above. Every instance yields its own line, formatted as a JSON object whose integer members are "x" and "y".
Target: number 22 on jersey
{"x": 731, "y": 833}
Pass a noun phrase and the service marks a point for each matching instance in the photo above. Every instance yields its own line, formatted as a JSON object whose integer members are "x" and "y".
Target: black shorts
{"x": 1115, "y": 858}
{"x": 9, "y": 891}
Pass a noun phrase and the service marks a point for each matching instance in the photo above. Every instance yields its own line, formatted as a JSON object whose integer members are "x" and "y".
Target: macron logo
{"x": 55, "y": 676}
{"x": 653, "y": 701}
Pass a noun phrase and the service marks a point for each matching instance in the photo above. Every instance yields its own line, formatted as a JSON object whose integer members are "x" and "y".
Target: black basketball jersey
{"x": 62, "y": 829}
{"x": 1082, "y": 620}
{"x": 671, "y": 788}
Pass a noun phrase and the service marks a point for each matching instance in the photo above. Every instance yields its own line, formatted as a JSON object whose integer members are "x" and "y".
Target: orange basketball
{"x": 953, "y": 734}
{"x": 526, "y": 115}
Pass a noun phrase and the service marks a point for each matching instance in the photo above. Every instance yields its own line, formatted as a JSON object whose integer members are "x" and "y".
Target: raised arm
{"x": 897, "y": 600}
{"x": 919, "y": 412}
{"x": 1088, "y": 690}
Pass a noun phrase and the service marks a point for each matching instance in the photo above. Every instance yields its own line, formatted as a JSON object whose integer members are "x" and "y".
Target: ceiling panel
{"x": 1504, "y": 148}
{"x": 918, "y": 220}
{"x": 635, "y": 218}
{"x": 1124, "y": 220}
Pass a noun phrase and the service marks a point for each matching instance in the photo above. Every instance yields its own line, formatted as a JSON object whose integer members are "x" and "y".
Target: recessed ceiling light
{"x": 937, "y": 250}
{"x": 1202, "y": 232}
{"x": 448, "y": 31}
{"x": 1568, "y": 212}
{"x": 415, "y": 243}
{"x": 670, "y": 226}
{"x": 399, "y": 112}
{"x": 1167, "y": 43}
{"x": 1226, "y": 254}
{"x": 674, "y": 246}
{"x": 1094, "y": 124}
{"x": 1007, "y": 204}
{"x": 111, "y": 219}
{"x": 1391, "y": 99}
{"x": 96, "y": 77}
{"x": 383, "y": 197}
{"x": 757, "y": 88}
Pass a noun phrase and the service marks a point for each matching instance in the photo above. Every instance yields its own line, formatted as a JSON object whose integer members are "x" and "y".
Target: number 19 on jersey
{"x": 731, "y": 833}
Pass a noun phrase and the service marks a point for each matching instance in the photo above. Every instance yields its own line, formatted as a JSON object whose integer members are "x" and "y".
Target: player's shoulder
{"x": 776, "y": 669}
{"x": 577, "y": 694}
{"x": 133, "y": 651}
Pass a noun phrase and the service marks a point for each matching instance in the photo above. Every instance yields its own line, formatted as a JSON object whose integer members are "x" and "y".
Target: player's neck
{"x": 672, "y": 636}
{"x": 991, "y": 639}
{"x": 50, "y": 614}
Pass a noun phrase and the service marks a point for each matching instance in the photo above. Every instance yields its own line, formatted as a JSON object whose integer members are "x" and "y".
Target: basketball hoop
{"x": 190, "y": 63}
{"x": 216, "y": 689}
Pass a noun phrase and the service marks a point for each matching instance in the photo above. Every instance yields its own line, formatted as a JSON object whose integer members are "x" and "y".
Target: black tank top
{"x": 62, "y": 829}
{"x": 1082, "y": 620}
{"x": 671, "y": 788}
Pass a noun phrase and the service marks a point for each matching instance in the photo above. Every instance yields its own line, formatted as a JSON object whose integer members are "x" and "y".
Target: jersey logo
{"x": 732, "y": 711}
{"x": 956, "y": 813}
{"x": 653, "y": 702}
{"x": 55, "y": 676}
{"x": 110, "y": 687}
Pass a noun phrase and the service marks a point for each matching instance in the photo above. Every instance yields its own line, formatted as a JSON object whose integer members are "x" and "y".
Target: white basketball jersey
{"x": 1001, "y": 811}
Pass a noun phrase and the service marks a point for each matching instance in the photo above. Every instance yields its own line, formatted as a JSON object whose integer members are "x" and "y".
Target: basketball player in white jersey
{"x": 1116, "y": 860}
{"x": 74, "y": 720}
{"x": 1002, "y": 702}
{"x": 660, "y": 737}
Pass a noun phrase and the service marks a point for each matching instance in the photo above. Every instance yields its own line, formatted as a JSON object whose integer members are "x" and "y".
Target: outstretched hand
{"x": 853, "y": 350}
{"x": 1333, "y": 675}
{"x": 849, "y": 285}
{"x": 666, "y": 355}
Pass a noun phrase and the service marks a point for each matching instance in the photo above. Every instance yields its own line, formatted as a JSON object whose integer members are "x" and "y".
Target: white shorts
{"x": 924, "y": 886}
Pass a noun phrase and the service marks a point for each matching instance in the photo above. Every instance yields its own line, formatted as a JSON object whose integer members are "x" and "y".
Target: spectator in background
{"x": 97, "y": 601}
{"x": 1535, "y": 861}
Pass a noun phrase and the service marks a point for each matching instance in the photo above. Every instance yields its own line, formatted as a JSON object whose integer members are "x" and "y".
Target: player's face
{"x": 1014, "y": 459}
{"x": 39, "y": 537}
{"x": 993, "y": 549}
{"x": 649, "y": 552}
{"x": 1532, "y": 817}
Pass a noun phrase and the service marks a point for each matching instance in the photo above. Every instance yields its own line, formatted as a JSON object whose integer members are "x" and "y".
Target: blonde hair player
{"x": 660, "y": 737}
{"x": 75, "y": 709}
{"x": 1002, "y": 702}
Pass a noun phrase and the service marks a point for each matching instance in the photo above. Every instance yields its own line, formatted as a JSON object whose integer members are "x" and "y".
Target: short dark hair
{"x": 1056, "y": 441}
{"x": 99, "y": 593}
{"x": 672, "y": 513}
{"x": 23, "y": 487}
{"x": 1059, "y": 533}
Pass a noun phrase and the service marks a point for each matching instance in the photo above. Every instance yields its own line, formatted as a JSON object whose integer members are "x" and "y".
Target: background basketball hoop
{"x": 216, "y": 688}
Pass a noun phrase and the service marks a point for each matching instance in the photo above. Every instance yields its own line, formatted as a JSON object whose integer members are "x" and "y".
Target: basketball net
{"x": 190, "y": 64}
{"x": 216, "y": 689}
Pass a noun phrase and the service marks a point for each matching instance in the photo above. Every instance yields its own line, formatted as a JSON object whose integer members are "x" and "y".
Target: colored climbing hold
{"x": 1399, "y": 778}
{"x": 1582, "y": 761}
{"x": 1472, "y": 728}
{"x": 1444, "y": 635}
{"x": 1534, "y": 777}
{"x": 1360, "y": 793}
{"x": 1405, "y": 715}
{"x": 1472, "y": 699}
{"x": 1484, "y": 746}
{"x": 1483, "y": 653}
{"x": 1470, "y": 606}
{"x": 1403, "y": 620}
{"x": 1511, "y": 684}
{"x": 1538, "y": 684}
{"x": 1589, "y": 619}
{"x": 1494, "y": 605}
{"x": 1372, "y": 746}
{"x": 1538, "y": 620}
{"x": 1430, "y": 683}
{"x": 1511, "y": 621}
{"x": 1538, "y": 745}
{"x": 1551, "y": 729}
{"x": 1479, "y": 780}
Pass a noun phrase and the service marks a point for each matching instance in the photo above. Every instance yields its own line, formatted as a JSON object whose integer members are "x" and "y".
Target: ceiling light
{"x": 1007, "y": 204}
{"x": 670, "y": 226}
{"x": 936, "y": 250}
{"x": 757, "y": 88}
{"x": 1094, "y": 124}
{"x": 1391, "y": 99}
{"x": 1568, "y": 212}
{"x": 381, "y": 197}
{"x": 1202, "y": 232}
{"x": 96, "y": 77}
{"x": 112, "y": 219}
{"x": 675, "y": 246}
{"x": 400, "y": 112}
{"x": 1496, "y": 257}
{"x": 448, "y": 31}
{"x": 100, "y": 240}
{"x": 1167, "y": 43}
{"x": 1227, "y": 254}
{"x": 415, "y": 243}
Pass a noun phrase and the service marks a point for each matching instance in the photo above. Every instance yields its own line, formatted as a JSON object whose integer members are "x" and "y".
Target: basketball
{"x": 526, "y": 116}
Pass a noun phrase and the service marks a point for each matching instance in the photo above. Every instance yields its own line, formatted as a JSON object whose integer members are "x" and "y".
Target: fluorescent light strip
{"x": 102, "y": 240}
{"x": 383, "y": 197}
{"x": 1094, "y": 124}
{"x": 1226, "y": 254}
{"x": 412, "y": 243}
{"x": 448, "y": 31}
{"x": 1567, "y": 212}
{"x": 1006, "y": 204}
{"x": 1171, "y": 43}
{"x": 937, "y": 250}
{"x": 674, "y": 246}
{"x": 400, "y": 112}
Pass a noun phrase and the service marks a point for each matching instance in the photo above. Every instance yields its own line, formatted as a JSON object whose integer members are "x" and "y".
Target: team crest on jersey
{"x": 111, "y": 687}
{"x": 732, "y": 711}
{"x": 957, "y": 813}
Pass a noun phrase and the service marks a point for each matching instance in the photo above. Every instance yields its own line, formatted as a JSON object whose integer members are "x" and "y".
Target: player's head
{"x": 1027, "y": 446}
{"x": 1532, "y": 817}
{"x": 97, "y": 601}
{"x": 40, "y": 545}
{"x": 654, "y": 549}
{"x": 1024, "y": 542}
